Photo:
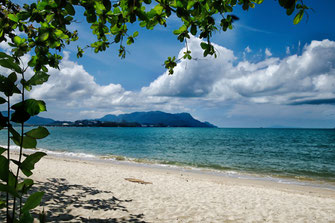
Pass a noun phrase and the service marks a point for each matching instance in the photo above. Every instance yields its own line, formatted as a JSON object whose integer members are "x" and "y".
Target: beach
{"x": 78, "y": 190}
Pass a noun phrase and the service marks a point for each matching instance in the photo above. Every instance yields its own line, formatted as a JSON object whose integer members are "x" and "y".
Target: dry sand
{"x": 92, "y": 191}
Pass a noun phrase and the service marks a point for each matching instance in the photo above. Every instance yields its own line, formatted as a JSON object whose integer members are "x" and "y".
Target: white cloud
{"x": 73, "y": 86}
{"x": 4, "y": 46}
{"x": 204, "y": 82}
{"x": 193, "y": 78}
{"x": 288, "y": 50}
{"x": 294, "y": 79}
{"x": 247, "y": 49}
{"x": 268, "y": 52}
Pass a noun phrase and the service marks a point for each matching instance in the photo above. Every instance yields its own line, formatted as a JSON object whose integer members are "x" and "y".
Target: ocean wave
{"x": 55, "y": 153}
{"x": 216, "y": 170}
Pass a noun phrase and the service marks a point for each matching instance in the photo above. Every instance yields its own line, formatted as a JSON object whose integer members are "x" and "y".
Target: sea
{"x": 291, "y": 156}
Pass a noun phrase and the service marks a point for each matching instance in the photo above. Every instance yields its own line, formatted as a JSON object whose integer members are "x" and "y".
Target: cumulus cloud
{"x": 73, "y": 88}
{"x": 4, "y": 46}
{"x": 288, "y": 50}
{"x": 193, "y": 78}
{"x": 295, "y": 79}
{"x": 268, "y": 52}
{"x": 304, "y": 79}
{"x": 72, "y": 84}
{"x": 247, "y": 49}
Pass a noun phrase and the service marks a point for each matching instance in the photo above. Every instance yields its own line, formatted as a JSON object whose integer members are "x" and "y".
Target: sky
{"x": 269, "y": 73}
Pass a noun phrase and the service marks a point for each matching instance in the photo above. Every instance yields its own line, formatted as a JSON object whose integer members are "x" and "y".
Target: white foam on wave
{"x": 55, "y": 153}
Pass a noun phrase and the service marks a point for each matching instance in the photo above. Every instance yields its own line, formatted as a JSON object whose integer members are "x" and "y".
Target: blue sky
{"x": 266, "y": 26}
{"x": 269, "y": 73}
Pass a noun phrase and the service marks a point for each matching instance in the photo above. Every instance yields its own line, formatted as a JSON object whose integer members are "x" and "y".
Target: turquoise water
{"x": 292, "y": 153}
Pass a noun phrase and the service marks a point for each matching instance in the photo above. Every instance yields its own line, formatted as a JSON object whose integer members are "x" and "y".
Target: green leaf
{"x": 3, "y": 121}
{"x": 44, "y": 36}
{"x": 4, "y": 55}
{"x": 91, "y": 17}
{"x": 181, "y": 29}
{"x": 10, "y": 64}
{"x": 2, "y": 204}
{"x": 135, "y": 34}
{"x": 44, "y": 68}
{"x": 24, "y": 186}
{"x": 23, "y": 15}
{"x": 204, "y": 45}
{"x": 2, "y": 100}
{"x": 38, "y": 133}
{"x": 33, "y": 201}
{"x": 26, "y": 217}
{"x": 20, "y": 116}
{"x": 193, "y": 29}
{"x": 290, "y": 10}
{"x": 32, "y": 61}
{"x": 29, "y": 163}
{"x": 159, "y": 9}
{"x": 49, "y": 17}
{"x": 259, "y": 1}
{"x": 190, "y": 4}
{"x": 13, "y": 17}
{"x": 28, "y": 142}
{"x": 2, "y": 150}
{"x": 143, "y": 24}
{"x": 298, "y": 17}
{"x": 9, "y": 189}
{"x": 41, "y": 5}
{"x": 7, "y": 84}
{"x": 32, "y": 106}
{"x": 12, "y": 77}
{"x": 39, "y": 78}
{"x": 130, "y": 40}
{"x": 69, "y": 8}
{"x": 18, "y": 40}
{"x": 4, "y": 168}
{"x": 14, "y": 133}
{"x": 11, "y": 179}
{"x": 99, "y": 6}
{"x": 59, "y": 33}
{"x": 107, "y": 4}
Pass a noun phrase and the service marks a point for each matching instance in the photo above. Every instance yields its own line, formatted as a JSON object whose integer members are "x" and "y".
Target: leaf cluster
{"x": 45, "y": 23}
{"x": 10, "y": 184}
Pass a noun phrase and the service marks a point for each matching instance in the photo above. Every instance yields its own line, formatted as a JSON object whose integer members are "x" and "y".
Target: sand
{"x": 92, "y": 191}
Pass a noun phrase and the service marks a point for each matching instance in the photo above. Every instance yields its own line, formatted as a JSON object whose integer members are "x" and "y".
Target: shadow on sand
{"x": 61, "y": 198}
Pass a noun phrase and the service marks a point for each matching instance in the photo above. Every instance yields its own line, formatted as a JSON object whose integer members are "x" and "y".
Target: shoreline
{"x": 78, "y": 190}
{"x": 155, "y": 164}
{"x": 236, "y": 178}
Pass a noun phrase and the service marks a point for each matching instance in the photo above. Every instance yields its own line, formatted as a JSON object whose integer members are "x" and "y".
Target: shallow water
{"x": 307, "y": 154}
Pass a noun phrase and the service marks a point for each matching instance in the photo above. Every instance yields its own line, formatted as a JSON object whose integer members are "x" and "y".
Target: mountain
{"x": 34, "y": 120}
{"x": 158, "y": 118}
{"x": 136, "y": 119}
{"x": 37, "y": 120}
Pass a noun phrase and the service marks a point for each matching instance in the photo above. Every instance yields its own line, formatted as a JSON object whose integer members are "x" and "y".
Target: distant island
{"x": 135, "y": 119}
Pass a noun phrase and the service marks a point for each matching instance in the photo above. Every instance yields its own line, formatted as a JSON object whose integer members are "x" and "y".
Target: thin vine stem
{"x": 8, "y": 156}
{"x": 21, "y": 150}
{"x": 21, "y": 198}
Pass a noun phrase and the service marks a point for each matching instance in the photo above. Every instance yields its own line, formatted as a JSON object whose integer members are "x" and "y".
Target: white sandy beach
{"x": 91, "y": 191}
